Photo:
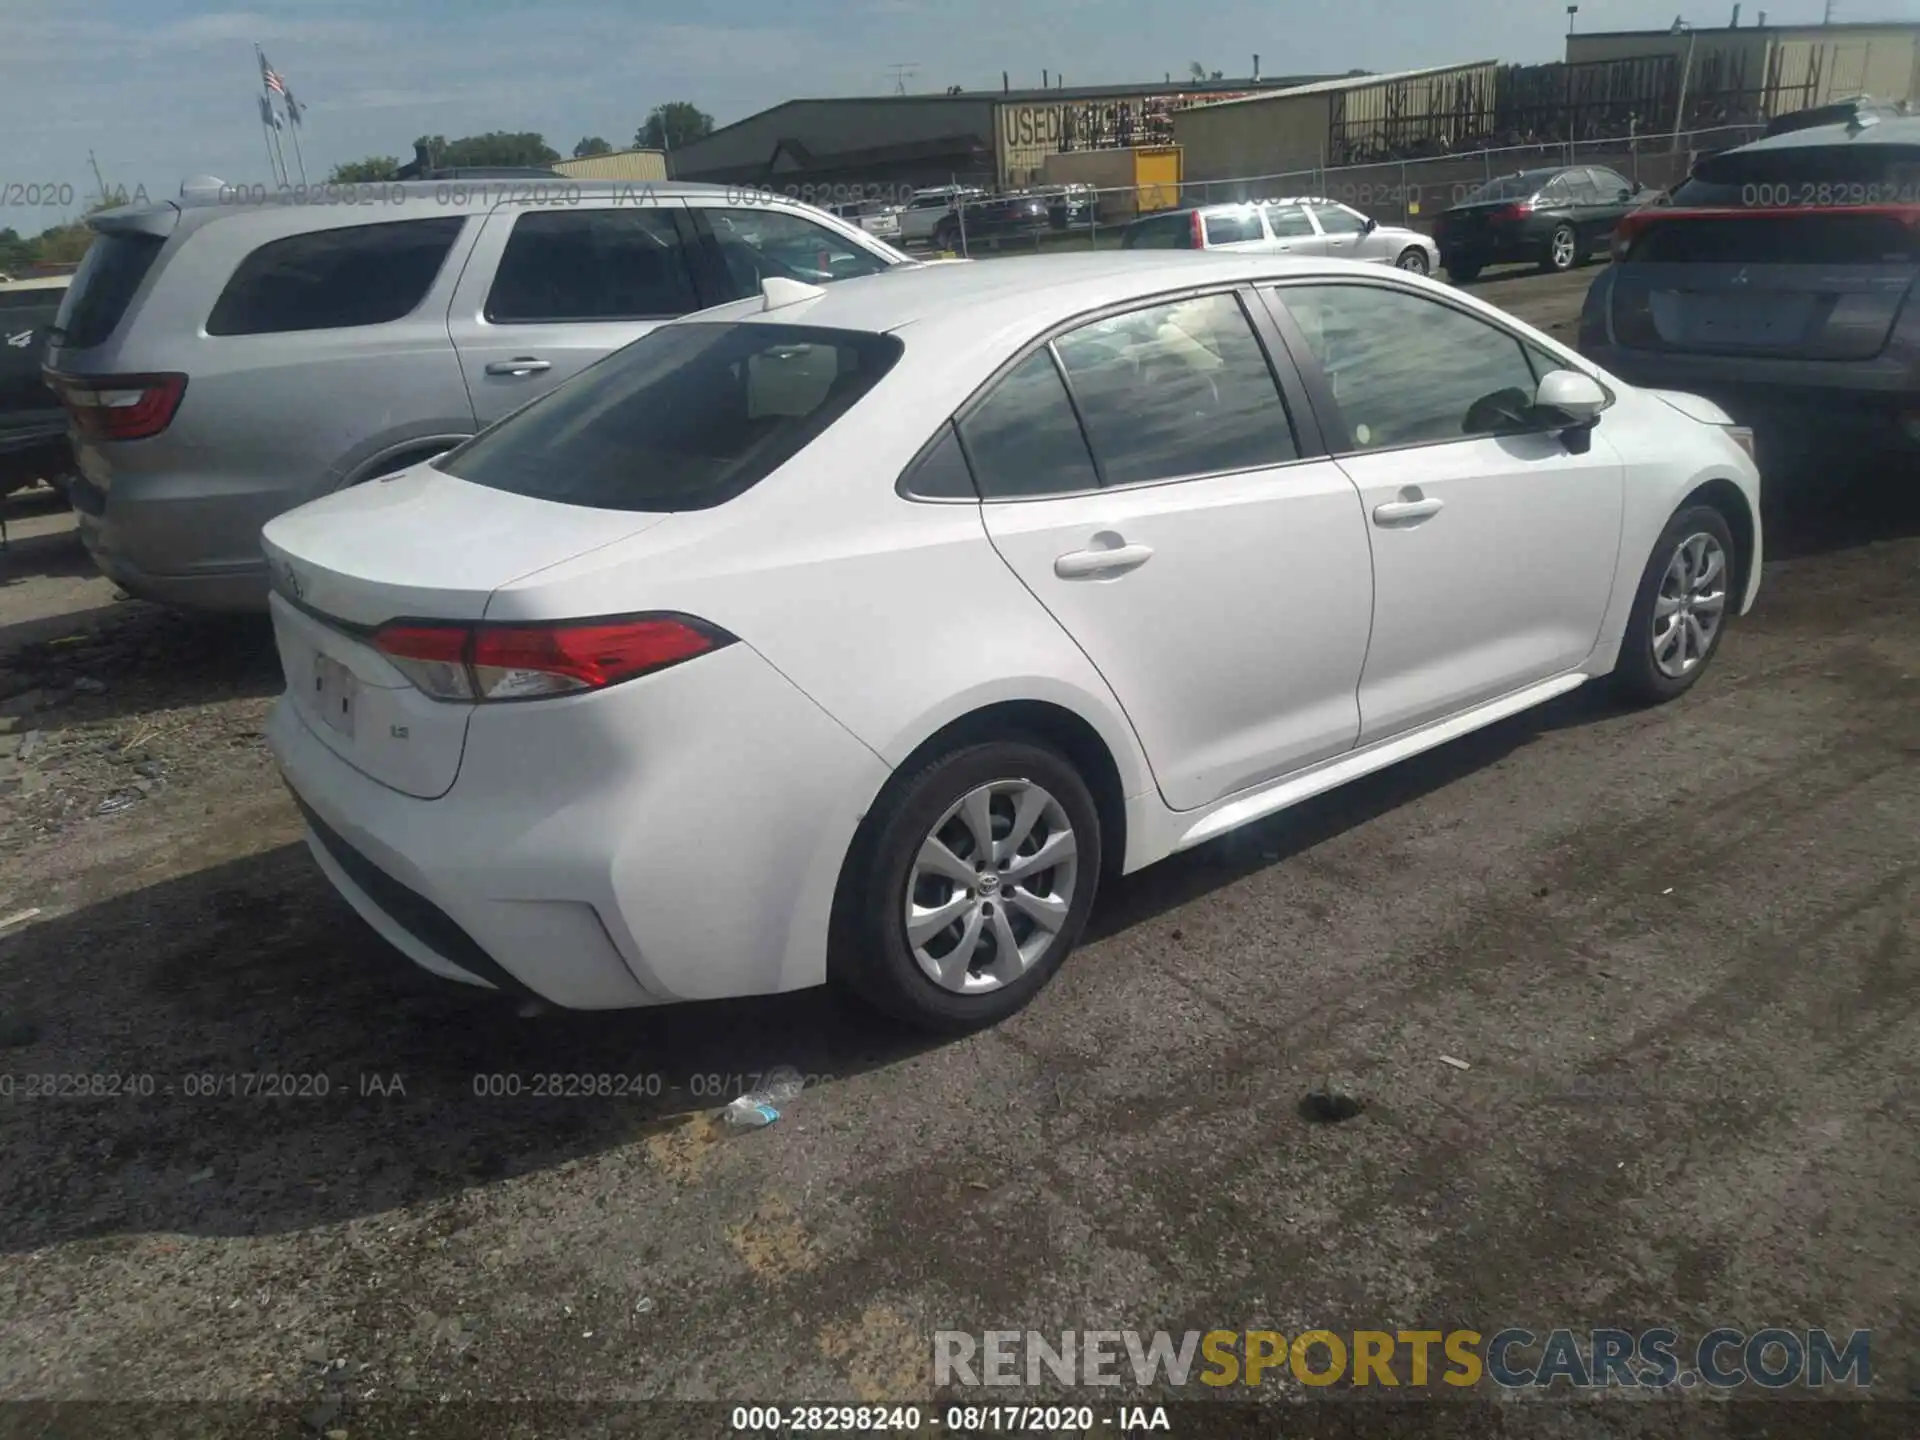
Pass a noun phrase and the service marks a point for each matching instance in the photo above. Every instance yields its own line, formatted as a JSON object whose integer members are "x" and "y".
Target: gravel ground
{"x": 1676, "y": 948}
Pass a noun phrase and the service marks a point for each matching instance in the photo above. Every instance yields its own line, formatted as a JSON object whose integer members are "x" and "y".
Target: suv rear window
{"x": 1799, "y": 175}
{"x": 685, "y": 418}
{"x": 103, "y": 287}
{"x": 332, "y": 279}
{"x": 1231, "y": 229}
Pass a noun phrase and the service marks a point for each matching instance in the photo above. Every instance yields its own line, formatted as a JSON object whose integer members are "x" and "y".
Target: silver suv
{"x": 230, "y": 355}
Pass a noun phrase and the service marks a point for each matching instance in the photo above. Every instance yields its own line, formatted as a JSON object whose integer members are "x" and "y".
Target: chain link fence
{"x": 1395, "y": 192}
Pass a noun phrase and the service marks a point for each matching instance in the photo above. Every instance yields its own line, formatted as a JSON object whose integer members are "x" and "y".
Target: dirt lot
{"x": 1677, "y": 948}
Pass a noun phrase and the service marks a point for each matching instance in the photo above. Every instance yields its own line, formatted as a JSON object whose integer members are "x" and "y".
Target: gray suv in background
{"x": 1781, "y": 279}
{"x": 227, "y": 356}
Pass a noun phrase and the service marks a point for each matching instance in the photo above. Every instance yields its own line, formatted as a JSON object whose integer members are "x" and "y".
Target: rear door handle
{"x": 1394, "y": 511}
{"x": 1079, "y": 564}
{"x": 519, "y": 365}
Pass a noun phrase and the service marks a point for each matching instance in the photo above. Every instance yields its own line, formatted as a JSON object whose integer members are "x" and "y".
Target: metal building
{"x": 1745, "y": 73}
{"x": 617, "y": 165}
{"x": 1341, "y": 121}
{"x": 999, "y": 138}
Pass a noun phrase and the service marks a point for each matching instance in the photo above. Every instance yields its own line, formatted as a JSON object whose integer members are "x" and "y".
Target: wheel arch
{"x": 1731, "y": 502}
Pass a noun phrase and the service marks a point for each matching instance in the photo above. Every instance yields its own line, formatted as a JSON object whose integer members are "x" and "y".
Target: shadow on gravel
{"x": 341, "y": 1081}
{"x": 135, "y": 659}
{"x": 26, "y": 557}
{"x": 1815, "y": 509}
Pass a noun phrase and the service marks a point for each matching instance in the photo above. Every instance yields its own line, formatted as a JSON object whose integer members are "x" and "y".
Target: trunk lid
{"x": 418, "y": 545}
{"x": 1821, "y": 283}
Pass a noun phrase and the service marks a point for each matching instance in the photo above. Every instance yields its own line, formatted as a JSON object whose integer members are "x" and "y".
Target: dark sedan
{"x": 1555, "y": 218}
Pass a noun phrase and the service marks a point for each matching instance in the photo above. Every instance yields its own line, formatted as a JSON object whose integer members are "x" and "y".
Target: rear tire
{"x": 917, "y": 855}
{"x": 1680, "y": 611}
{"x": 1463, "y": 272}
{"x": 1563, "y": 251}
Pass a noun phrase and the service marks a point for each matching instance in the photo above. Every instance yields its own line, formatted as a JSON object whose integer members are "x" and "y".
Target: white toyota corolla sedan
{"x": 856, "y": 633}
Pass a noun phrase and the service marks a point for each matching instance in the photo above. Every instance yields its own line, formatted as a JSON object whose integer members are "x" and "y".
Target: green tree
{"x": 62, "y": 245}
{"x": 16, "y": 252}
{"x": 374, "y": 170}
{"x": 673, "y": 126}
{"x": 496, "y": 147}
{"x": 592, "y": 145}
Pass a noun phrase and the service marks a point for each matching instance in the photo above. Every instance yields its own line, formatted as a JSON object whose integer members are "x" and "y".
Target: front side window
{"x": 1286, "y": 220}
{"x": 1173, "y": 390}
{"x": 1406, "y": 370}
{"x": 1338, "y": 220}
{"x": 685, "y": 418}
{"x": 581, "y": 265}
{"x": 332, "y": 279}
{"x": 758, "y": 244}
{"x": 1232, "y": 228}
{"x": 1023, "y": 439}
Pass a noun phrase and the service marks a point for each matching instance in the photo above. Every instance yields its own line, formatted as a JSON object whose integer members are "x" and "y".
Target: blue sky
{"x": 161, "y": 89}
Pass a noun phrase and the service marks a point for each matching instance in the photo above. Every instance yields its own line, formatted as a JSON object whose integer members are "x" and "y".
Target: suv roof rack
{"x": 421, "y": 167}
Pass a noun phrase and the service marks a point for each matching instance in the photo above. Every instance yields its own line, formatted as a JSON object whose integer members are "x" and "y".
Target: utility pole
{"x": 1686, "y": 74}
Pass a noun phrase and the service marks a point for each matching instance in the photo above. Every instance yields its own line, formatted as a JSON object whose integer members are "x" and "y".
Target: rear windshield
{"x": 685, "y": 418}
{"x": 1797, "y": 175}
{"x": 103, "y": 287}
{"x": 1512, "y": 187}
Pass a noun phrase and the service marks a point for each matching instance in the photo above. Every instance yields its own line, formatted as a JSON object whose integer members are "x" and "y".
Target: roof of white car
{"x": 986, "y": 300}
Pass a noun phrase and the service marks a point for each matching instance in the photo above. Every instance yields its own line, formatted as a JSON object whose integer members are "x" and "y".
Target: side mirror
{"x": 1569, "y": 400}
{"x": 1371, "y": 226}
{"x": 1637, "y": 188}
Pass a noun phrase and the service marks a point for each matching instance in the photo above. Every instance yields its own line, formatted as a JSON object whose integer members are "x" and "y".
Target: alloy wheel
{"x": 991, "y": 887}
{"x": 1563, "y": 247}
{"x": 1413, "y": 262}
{"x": 1690, "y": 606}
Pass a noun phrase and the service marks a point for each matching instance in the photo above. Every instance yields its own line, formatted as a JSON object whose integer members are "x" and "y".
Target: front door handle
{"x": 1080, "y": 564}
{"x": 519, "y": 365}
{"x": 1395, "y": 511}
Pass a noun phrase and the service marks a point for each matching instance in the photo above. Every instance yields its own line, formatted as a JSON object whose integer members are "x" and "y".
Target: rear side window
{"x": 103, "y": 287}
{"x": 1173, "y": 390}
{"x": 48, "y": 299}
{"x": 1285, "y": 220}
{"x": 1232, "y": 229}
{"x": 622, "y": 264}
{"x": 1800, "y": 175}
{"x": 1023, "y": 438}
{"x": 334, "y": 279}
{"x": 940, "y": 471}
{"x": 685, "y": 418}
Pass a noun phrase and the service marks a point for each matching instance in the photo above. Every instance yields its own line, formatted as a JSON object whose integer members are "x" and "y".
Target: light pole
{"x": 1572, "y": 10}
{"x": 1686, "y": 74}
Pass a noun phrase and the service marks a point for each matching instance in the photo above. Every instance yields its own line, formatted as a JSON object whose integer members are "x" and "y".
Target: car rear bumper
{"x": 181, "y": 540}
{"x": 678, "y": 837}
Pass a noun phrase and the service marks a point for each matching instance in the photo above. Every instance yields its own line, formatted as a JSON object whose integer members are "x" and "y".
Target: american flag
{"x": 269, "y": 76}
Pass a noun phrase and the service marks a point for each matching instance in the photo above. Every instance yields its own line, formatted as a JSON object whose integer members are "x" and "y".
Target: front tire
{"x": 1680, "y": 610}
{"x": 1413, "y": 260}
{"x": 1563, "y": 251}
{"x": 971, "y": 884}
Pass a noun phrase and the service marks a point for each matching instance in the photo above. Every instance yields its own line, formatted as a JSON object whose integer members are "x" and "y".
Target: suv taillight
{"x": 531, "y": 662}
{"x": 119, "y": 407}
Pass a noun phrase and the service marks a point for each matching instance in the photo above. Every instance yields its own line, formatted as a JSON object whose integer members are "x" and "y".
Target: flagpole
{"x": 294, "y": 121}
{"x": 285, "y": 178}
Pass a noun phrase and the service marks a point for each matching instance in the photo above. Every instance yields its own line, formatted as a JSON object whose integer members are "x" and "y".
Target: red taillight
{"x": 119, "y": 407}
{"x": 1507, "y": 213}
{"x": 1199, "y": 232}
{"x": 528, "y": 662}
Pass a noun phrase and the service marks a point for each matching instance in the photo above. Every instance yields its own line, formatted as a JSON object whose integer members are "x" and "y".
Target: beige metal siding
{"x": 1418, "y": 107}
{"x": 1276, "y": 136}
{"x": 1130, "y": 181}
{"x": 620, "y": 165}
